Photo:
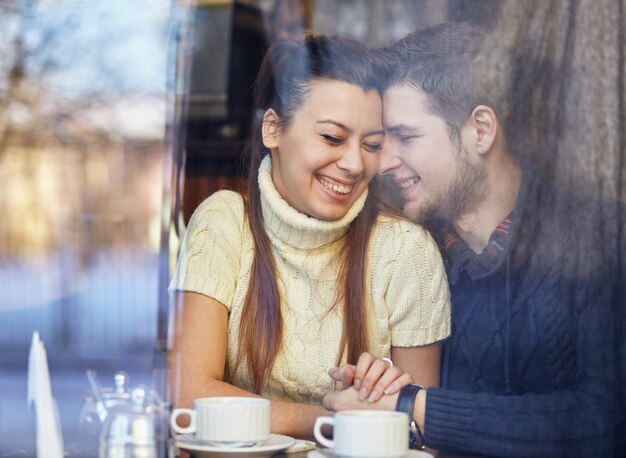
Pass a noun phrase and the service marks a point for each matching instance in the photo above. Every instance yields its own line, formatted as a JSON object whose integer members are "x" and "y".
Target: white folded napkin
{"x": 49, "y": 438}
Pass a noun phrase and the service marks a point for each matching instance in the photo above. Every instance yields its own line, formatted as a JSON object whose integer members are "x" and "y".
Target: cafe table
{"x": 320, "y": 452}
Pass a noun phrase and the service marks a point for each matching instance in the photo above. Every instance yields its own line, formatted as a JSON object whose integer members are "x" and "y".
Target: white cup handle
{"x": 192, "y": 421}
{"x": 317, "y": 431}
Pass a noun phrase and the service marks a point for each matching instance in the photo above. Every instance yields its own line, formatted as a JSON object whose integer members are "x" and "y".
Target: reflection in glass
{"x": 99, "y": 99}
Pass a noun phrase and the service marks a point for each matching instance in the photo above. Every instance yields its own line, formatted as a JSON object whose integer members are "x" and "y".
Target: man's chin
{"x": 419, "y": 214}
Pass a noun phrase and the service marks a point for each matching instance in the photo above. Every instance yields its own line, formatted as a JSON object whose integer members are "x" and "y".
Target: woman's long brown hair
{"x": 282, "y": 84}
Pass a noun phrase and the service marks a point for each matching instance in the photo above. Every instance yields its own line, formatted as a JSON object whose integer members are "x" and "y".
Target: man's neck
{"x": 503, "y": 182}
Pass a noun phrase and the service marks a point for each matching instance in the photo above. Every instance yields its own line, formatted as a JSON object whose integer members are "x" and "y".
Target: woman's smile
{"x": 334, "y": 186}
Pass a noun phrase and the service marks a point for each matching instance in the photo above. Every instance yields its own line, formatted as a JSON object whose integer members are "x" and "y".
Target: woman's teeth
{"x": 334, "y": 187}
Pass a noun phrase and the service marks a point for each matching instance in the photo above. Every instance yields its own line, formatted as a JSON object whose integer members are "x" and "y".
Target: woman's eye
{"x": 372, "y": 147}
{"x": 407, "y": 138}
{"x": 332, "y": 139}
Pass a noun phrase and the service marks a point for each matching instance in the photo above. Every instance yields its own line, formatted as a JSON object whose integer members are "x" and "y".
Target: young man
{"x": 535, "y": 363}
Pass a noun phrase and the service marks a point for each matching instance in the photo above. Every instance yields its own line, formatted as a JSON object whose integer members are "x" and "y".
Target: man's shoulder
{"x": 571, "y": 209}
{"x": 556, "y": 222}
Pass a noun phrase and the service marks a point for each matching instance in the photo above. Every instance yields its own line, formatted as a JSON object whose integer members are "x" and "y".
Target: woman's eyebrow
{"x": 347, "y": 129}
{"x": 375, "y": 132}
{"x": 335, "y": 123}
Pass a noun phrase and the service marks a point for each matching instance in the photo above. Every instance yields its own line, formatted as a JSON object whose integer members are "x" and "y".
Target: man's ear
{"x": 270, "y": 130}
{"x": 484, "y": 124}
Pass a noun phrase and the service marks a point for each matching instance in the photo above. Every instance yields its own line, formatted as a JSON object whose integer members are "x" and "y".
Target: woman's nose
{"x": 352, "y": 160}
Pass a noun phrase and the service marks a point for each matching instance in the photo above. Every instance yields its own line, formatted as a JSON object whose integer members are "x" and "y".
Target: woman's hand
{"x": 371, "y": 378}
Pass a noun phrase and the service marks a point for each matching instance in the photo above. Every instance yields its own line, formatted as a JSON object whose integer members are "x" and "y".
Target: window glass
{"x": 118, "y": 118}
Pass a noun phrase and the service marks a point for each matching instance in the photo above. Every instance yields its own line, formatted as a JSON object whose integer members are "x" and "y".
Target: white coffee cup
{"x": 366, "y": 433}
{"x": 227, "y": 421}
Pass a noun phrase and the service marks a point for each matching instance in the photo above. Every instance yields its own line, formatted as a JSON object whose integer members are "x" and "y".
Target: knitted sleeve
{"x": 576, "y": 421}
{"x": 416, "y": 291}
{"x": 211, "y": 249}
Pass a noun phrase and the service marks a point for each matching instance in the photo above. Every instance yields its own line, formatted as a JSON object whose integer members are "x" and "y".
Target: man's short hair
{"x": 457, "y": 66}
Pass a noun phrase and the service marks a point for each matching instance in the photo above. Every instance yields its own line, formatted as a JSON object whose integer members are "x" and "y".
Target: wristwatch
{"x": 405, "y": 403}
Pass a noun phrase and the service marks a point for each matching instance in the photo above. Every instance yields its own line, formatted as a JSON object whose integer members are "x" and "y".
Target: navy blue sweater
{"x": 534, "y": 366}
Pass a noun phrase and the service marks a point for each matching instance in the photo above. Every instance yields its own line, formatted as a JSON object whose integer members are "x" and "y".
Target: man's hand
{"x": 372, "y": 377}
{"x": 348, "y": 399}
{"x": 343, "y": 374}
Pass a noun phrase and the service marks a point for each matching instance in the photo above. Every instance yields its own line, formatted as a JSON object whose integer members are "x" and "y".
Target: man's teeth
{"x": 409, "y": 182}
{"x": 334, "y": 187}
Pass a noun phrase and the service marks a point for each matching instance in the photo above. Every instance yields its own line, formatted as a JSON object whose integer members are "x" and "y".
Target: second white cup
{"x": 226, "y": 421}
{"x": 366, "y": 433}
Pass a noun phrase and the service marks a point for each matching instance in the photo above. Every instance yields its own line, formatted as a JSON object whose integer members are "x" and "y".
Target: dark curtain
{"x": 576, "y": 57}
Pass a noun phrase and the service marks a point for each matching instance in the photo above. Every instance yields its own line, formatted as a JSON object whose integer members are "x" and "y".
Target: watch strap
{"x": 405, "y": 403}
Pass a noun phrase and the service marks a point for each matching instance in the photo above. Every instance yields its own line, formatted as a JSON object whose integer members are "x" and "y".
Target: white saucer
{"x": 300, "y": 446}
{"x": 196, "y": 447}
{"x": 329, "y": 454}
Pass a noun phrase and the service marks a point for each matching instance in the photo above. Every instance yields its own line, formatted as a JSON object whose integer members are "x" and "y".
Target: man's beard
{"x": 463, "y": 195}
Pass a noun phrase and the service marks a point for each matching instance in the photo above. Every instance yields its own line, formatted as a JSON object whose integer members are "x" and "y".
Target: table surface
{"x": 324, "y": 452}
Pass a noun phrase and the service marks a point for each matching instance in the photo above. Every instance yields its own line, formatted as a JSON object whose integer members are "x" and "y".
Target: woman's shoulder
{"x": 221, "y": 207}
{"x": 221, "y": 201}
{"x": 391, "y": 226}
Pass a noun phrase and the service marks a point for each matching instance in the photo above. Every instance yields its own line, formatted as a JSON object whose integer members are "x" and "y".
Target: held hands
{"x": 368, "y": 381}
{"x": 348, "y": 399}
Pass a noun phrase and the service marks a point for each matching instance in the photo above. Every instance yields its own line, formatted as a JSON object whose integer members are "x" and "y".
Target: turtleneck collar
{"x": 293, "y": 228}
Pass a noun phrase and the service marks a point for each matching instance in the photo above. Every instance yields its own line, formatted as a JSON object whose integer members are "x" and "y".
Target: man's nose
{"x": 389, "y": 158}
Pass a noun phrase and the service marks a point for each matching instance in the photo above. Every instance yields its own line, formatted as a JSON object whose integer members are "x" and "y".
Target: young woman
{"x": 305, "y": 273}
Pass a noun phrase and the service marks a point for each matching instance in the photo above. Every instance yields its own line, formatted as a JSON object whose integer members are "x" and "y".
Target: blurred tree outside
{"x": 82, "y": 121}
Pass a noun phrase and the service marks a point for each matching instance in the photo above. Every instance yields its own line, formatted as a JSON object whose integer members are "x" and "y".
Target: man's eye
{"x": 372, "y": 147}
{"x": 332, "y": 139}
{"x": 407, "y": 138}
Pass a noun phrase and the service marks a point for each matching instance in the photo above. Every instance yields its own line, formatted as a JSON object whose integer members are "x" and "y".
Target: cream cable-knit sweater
{"x": 408, "y": 294}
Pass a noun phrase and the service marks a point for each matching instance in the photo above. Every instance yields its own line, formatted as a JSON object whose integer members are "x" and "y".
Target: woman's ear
{"x": 484, "y": 123}
{"x": 270, "y": 129}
